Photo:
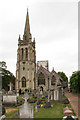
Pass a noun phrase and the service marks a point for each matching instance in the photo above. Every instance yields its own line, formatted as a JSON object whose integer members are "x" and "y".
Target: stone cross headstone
{"x": 10, "y": 86}
{"x": 26, "y": 96}
{"x": 17, "y": 94}
{"x": 26, "y": 111}
{"x": 41, "y": 92}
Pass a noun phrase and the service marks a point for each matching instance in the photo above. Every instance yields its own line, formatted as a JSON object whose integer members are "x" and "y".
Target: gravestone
{"x": 48, "y": 105}
{"x": 51, "y": 95}
{"x": 41, "y": 92}
{"x": 11, "y": 97}
{"x": 48, "y": 96}
{"x": 26, "y": 111}
{"x": 10, "y": 88}
{"x": 26, "y": 96}
{"x": 4, "y": 92}
{"x": 56, "y": 94}
{"x": 60, "y": 93}
{"x": 36, "y": 107}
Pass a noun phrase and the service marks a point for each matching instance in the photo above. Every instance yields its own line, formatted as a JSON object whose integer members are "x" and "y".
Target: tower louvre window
{"x": 23, "y": 68}
{"x": 23, "y": 82}
{"x": 26, "y": 53}
{"x": 22, "y": 53}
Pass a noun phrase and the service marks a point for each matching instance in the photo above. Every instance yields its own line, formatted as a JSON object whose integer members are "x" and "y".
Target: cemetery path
{"x": 73, "y": 99}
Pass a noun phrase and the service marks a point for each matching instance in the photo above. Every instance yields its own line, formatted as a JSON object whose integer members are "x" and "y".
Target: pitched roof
{"x": 59, "y": 77}
{"x": 45, "y": 70}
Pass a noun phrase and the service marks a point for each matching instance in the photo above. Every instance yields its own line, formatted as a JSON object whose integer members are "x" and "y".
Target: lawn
{"x": 10, "y": 111}
{"x": 55, "y": 112}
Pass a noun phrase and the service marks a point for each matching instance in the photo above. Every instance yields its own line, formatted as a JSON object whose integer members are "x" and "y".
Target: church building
{"x": 26, "y": 60}
{"x": 27, "y": 77}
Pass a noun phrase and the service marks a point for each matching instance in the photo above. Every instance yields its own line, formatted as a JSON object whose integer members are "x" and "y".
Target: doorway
{"x": 41, "y": 88}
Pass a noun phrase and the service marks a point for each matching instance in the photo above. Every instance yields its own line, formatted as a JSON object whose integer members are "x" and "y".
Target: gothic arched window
{"x": 41, "y": 79}
{"x": 26, "y": 53}
{"x": 22, "y": 52}
{"x": 23, "y": 82}
{"x": 53, "y": 80}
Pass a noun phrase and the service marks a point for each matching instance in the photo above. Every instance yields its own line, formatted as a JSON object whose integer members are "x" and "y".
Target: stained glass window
{"x": 53, "y": 80}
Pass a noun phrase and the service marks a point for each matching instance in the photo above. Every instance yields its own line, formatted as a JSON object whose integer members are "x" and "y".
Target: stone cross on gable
{"x": 10, "y": 86}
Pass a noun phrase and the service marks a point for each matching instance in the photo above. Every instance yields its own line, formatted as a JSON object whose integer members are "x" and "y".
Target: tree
{"x": 6, "y": 76}
{"x": 75, "y": 81}
{"x": 63, "y": 76}
{"x": 3, "y": 65}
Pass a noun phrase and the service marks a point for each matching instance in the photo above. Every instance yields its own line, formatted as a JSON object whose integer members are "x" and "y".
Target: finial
{"x": 53, "y": 69}
{"x": 27, "y": 9}
{"x": 19, "y": 37}
{"x": 34, "y": 39}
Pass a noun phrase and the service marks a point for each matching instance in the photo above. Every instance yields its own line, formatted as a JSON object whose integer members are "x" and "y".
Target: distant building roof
{"x": 45, "y": 70}
{"x": 44, "y": 64}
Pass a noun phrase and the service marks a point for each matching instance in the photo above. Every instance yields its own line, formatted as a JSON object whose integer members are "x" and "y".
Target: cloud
{"x": 54, "y": 26}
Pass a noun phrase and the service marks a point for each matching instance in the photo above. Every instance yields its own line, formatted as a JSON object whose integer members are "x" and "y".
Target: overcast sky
{"x": 54, "y": 26}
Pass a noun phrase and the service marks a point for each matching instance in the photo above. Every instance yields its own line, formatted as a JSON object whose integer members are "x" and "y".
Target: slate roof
{"x": 64, "y": 84}
{"x": 45, "y": 70}
{"x": 59, "y": 77}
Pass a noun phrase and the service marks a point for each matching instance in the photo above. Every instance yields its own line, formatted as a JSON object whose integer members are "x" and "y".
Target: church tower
{"x": 26, "y": 60}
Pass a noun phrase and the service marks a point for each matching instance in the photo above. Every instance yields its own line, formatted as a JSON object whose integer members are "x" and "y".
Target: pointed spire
{"x": 27, "y": 34}
{"x": 27, "y": 26}
{"x": 34, "y": 40}
{"x": 19, "y": 38}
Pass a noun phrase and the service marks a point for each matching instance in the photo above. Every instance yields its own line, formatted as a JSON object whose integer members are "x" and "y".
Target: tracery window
{"x": 41, "y": 79}
{"x": 53, "y": 80}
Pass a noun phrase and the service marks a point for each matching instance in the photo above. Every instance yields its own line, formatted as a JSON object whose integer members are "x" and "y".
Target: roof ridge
{"x": 46, "y": 69}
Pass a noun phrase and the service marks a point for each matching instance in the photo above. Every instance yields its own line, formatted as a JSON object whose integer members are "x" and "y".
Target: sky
{"x": 54, "y": 24}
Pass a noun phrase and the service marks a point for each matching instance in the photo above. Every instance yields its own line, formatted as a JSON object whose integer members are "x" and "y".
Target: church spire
{"x": 27, "y": 26}
{"x": 27, "y": 34}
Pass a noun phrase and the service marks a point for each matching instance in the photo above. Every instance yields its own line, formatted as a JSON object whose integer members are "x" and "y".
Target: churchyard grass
{"x": 32, "y": 104}
{"x": 11, "y": 111}
{"x": 20, "y": 98}
{"x": 55, "y": 112}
